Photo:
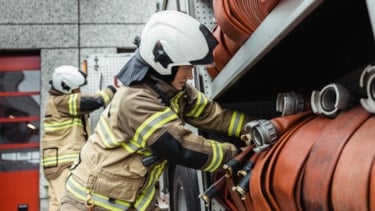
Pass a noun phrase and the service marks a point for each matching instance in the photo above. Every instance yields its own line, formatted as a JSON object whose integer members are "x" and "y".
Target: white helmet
{"x": 171, "y": 38}
{"x": 67, "y": 78}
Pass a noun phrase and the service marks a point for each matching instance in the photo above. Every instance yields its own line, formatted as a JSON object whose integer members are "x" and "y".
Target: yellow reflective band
{"x": 199, "y": 106}
{"x": 73, "y": 104}
{"x": 174, "y": 104}
{"x": 63, "y": 125}
{"x": 104, "y": 96}
{"x": 144, "y": 200}
{"x": 109, "y": 139}
{"x": 148, "y": 127}
{"x": 144, "y": 152}
{"x": 130, "y": 146}
{"x": 236, "y": 123}
{"x": 103, "y": 201}
{"x": 106, "y": 134}
{"x": 52, "y": 161}
{"x": 217, "y": 156}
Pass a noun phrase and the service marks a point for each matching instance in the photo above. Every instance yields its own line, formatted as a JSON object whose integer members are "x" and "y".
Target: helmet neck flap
{"x": 133, "y": 71}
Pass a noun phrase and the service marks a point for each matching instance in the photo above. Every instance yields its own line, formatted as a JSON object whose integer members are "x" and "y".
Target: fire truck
{"x": 306, "y": 69}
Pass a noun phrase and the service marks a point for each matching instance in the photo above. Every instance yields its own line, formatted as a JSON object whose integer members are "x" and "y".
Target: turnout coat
{"x": 137, "y": 124}
{"x": 66, "y": 127}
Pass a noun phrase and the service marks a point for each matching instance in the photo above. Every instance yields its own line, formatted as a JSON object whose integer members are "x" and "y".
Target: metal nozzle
{"x": 228, "y": 170}
{"x": 243, "y": 186}
{"x": 205, "y": 198}
{"x": 245, "y": 169}
{"x": 240, "y": 191}
{"x": 211, "y": 191}
{"x": 246, "y": 138}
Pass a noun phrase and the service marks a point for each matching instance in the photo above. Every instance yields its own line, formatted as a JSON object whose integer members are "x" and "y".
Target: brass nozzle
{"x": 205, "y": 198}
{"x": 246, "y": 138}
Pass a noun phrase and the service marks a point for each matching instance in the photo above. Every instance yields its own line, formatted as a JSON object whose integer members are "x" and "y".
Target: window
{"x": 19, "y": 112}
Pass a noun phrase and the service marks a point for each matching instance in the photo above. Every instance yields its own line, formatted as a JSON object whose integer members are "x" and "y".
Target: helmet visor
{"x": 211, "y": 42}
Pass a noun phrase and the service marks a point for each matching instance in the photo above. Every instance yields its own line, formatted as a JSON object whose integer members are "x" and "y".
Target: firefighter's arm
{"x": 210, "y": 116}
{"x": 181, "y": 146}
{"x": 102, "y": 98}
{"x": 160, "y": 129}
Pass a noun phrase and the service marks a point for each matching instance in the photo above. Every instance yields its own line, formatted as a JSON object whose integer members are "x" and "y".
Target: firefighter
{"x": 66, "y": 126}
{"x": 146, "y": 119}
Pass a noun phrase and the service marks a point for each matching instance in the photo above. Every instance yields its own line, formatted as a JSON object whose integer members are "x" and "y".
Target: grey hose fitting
{"x": 330, "y": 100}
{"x": 289, "y": 103}
{"x": 263, "y": 134}
{"x": 367, "y": 81}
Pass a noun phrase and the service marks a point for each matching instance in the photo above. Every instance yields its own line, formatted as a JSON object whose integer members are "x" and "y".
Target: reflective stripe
{"x": 63, "y": 125}
{"x": 130, "y": 146}
{"x": 105, "y": 97}
{"x": 73, "y": 104}
{"x": 150, "y": 125}
{"x": 144, "y": 152}
{"x": 106, "y": 134}
{"x": 109, "y": 139}
{"x": 200, "y": 104}
{"x": 174, "y": 102}
{"x": 217, "y": 156}
{"x": 52, "y": 161}
{"x": 99, "y": 200}
{"x": 144, "y": 200}
{"x": 236, "y": 123}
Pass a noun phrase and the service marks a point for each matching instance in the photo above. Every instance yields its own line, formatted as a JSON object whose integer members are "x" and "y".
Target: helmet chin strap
{"x": 166, "y": 78}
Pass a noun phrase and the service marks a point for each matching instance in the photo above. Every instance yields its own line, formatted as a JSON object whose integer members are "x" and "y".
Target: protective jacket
{"x": 110, "y": 172}
{"x": 66, "y": 127}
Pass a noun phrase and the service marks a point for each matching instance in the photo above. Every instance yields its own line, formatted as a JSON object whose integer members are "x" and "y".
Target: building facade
{"x": 63, "y": 32}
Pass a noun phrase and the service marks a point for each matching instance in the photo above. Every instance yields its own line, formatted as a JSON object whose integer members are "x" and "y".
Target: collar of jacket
{"x": 55, "y": 92}
{"x": 168, "y": 90}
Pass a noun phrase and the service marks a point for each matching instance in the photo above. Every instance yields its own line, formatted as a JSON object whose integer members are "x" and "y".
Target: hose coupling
{"x": 331, "y": 100}
{"x": 367, "y": 81}
{"x": 289, "y": 103}
{"x": 263, "y": 134}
